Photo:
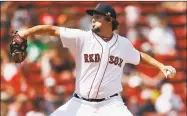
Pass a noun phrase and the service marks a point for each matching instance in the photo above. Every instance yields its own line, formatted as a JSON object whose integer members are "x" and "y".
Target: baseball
{"x": 169, "y": 74}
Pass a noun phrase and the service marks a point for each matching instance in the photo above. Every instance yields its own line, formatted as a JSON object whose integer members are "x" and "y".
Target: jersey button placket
{"x": 103, "y": 67}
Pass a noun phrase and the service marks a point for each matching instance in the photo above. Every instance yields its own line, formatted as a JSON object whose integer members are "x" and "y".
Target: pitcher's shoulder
{"x": 122, "y": 39}
{"x": 87, "y": 33}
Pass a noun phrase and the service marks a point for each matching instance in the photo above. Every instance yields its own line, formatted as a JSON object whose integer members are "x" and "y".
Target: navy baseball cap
{"x": 103, "y": 9}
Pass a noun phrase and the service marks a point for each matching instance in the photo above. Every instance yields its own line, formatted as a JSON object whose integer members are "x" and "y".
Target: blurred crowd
{"x": 45, "y": 80}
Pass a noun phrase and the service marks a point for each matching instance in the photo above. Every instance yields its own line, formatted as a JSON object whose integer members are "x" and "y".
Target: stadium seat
{"x": 177, "y": 20}
{"x": 87, "y": 3}
{"x": 157, "y": 114}
{"x": 183, "y": 53}
{"x": 121, "y": 19}
{"x": 147, "y": 9}
{"x": 153, "y": 114}
{"x": 143, "y": 20}
{"x": 184, "y": 64}
{"x": 165, "y": 58}
{"x": 181, "y": 43}
{"x": 119, "y": 9}
{"x": 176, "y": 64}
{"x": 171, "y": 11}
{"x": 178, "y": 87}
{"x": 182, "y": 114}
{"x": 180, "y": 32}
{"x": 151, "y": 3}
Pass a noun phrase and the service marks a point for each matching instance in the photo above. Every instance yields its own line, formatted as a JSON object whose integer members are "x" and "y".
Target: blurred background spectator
{"x": 46, "y": 79}
{"x": 161, "y": 35}
{"x": 168, "y": 101}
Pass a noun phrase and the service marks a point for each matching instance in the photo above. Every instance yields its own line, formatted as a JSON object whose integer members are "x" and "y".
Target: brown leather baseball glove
{"x": 18, "y": 47}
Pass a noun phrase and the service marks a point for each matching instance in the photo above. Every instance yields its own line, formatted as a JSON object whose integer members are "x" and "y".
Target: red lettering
{"x": 97, "y": 57}
{"x": 91, "y": 57}
{"x": 120, "y": 62}
{"x": 111, "y": 59}
{"x": 116, "y": 60}
{"x": 86, "y": 57}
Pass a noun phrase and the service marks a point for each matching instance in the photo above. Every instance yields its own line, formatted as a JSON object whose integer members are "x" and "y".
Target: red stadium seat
{"x": 64, "y": 2}
{"x": 180, "y": 75}
{"x": 182, "y": 114}
{"x": 88, "y": 3}
{"x": 121, "y": 19}
{"x": 42, "y": 4}
{"x": 150, "y": 3}
{"x": 183, "y": 53}
{"x": 179, "y": 87}
{"x": 177, "y": 20}
{"x": 165, "y": 58}
{"x": 176, "y": 64}
{"x": 184, "y": 64}
{"x": 157, "y": 114}
{"x": 175, "y": 10}
{"x": 82, "y": 10}
{"x": 118, "y": 9}
{"x": 181, "y": 43}
{"x": 153, "y": 114}
{"x": 180, "y": 32}
{"x": 147, "y": 9}
{"x": 142, "y": 20}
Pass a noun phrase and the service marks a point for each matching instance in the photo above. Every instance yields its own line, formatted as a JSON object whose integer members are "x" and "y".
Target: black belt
{"x": 94, "y": 100}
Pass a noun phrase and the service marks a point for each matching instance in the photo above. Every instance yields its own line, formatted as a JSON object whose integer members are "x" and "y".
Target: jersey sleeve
{"x": 71, "y": 38}
{"x": 132, "y": 54}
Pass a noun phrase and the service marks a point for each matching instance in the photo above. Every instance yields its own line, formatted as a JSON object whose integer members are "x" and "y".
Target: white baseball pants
{"x": 78, "y": 107}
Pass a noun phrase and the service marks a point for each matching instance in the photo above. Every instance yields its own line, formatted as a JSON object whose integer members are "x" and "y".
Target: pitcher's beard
{"x": 95, "y": 29}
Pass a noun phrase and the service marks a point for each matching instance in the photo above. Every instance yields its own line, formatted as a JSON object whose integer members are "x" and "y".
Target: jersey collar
{"x": 110, "y": 42}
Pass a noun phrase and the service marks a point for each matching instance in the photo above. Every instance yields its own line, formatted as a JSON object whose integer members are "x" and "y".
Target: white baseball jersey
{"x": 99, "y": 64}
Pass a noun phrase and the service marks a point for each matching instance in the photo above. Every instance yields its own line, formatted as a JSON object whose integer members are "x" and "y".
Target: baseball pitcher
{"x": 100, "y": 56}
